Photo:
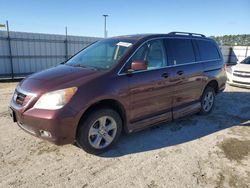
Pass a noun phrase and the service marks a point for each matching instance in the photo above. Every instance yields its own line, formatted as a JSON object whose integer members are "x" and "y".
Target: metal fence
{"x": 25, "y": 53}
{"x": 235, "y": 54}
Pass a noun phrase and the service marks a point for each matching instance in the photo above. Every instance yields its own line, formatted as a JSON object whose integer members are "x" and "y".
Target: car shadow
{"x": 231, "y": 109}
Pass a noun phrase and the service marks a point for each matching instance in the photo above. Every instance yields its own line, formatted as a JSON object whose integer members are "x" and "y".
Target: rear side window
{"x": 208, "y": 50}
{"x": 182, "y": 51}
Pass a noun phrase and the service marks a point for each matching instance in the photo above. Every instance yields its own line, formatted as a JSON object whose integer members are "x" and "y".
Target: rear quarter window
{"x": 207, "y": 50}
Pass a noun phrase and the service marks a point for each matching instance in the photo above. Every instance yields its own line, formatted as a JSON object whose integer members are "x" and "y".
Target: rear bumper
{"x": 58, "y": 127}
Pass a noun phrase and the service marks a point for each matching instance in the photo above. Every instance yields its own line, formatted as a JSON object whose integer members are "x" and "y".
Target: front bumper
{"x": 56, "y": 126}
{"x": 243, "y": 85}
{"x": 238, "y": 81}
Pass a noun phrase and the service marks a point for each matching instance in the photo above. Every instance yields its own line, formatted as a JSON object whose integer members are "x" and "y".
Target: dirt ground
{"x": 197, "y": 151}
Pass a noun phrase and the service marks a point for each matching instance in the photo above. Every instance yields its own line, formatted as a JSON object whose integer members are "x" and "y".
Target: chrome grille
{"x": 245, "y": 83}
{"x": 22, "y": 97}
{"x": 242, "y": 74}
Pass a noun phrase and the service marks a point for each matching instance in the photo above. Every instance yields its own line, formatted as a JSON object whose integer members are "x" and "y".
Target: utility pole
{"x": 66, "y": 43}
{"x": 10, "y": 50}
{"x": 105, "y": 25}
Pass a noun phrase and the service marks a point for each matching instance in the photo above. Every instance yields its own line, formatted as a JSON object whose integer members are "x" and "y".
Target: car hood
{"x": 241, "y": 67}
{"x": 58, "y": 77}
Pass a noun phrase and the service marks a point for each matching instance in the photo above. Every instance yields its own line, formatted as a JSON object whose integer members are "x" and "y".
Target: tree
{"x": 233, "y": 40}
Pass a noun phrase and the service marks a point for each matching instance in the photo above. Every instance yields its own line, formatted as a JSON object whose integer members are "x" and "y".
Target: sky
{"x": 84, "y": 18}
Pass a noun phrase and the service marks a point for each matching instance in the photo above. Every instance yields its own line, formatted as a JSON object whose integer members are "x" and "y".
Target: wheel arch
{"x": 214, "y": 84}
{"x": 106, "y": 103}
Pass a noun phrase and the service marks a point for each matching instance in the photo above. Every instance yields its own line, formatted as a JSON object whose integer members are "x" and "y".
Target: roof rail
{"x": 186, "y": 33}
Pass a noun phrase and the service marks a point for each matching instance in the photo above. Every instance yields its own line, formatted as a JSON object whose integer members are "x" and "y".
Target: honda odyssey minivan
{"x": 122, "y": 83}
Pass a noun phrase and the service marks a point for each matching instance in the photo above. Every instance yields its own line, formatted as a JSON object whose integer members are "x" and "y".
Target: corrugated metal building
{"x": 31, "y": 52}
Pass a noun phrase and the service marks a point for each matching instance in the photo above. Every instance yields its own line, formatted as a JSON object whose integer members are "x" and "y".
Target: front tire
{"x": 99, "y": 131}
{"x": 207, "y": 100}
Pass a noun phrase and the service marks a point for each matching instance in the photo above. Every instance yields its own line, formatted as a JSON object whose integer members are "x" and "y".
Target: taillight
{"x": 228, "y": 68}
{"x": 225, "y": 67}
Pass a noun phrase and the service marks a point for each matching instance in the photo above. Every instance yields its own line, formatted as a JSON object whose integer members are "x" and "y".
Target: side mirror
{"x": 138, "y": 65}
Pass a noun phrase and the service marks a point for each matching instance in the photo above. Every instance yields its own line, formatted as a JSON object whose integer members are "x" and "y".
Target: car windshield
{"x": 246, "y": 61}
{"x": 102, "y": 54}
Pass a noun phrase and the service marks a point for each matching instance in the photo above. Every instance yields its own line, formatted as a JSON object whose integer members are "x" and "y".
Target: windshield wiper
{"x": 83, "y": 66}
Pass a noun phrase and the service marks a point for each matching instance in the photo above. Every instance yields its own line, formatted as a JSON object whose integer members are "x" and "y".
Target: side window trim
{"x": 169, "y": 54}
{"x": 165, "y": 55}
{"x": 196, "y": 50}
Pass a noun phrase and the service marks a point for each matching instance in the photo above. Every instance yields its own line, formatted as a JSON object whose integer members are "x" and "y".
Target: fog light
{"x": 45, "y": 133}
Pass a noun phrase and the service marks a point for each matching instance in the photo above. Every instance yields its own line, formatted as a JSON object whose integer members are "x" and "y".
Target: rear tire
{"x": 207, "y": 100}
{"x": 99, "y": 131}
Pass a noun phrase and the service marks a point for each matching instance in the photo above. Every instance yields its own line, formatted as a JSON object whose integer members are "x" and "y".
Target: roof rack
{"x": 186, "y": 33}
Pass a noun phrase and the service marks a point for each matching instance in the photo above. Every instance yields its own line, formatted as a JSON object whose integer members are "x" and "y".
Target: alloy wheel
{"x": 102, "y": 132}
{"x": 208, "y": 101}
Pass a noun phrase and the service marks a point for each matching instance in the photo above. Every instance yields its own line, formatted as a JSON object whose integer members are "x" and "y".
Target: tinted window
{"x": 246, "y": 61}
{"x": 153, "y": 53}
{"x": 207, "y": 50}
{"x": 182, "y": 51}
{"x": 140, "y": 54}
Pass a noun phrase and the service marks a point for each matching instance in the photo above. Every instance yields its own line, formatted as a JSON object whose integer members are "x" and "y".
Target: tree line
{"x": 232, "y": 40}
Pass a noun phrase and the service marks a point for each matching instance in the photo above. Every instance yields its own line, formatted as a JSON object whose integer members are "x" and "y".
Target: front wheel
{"x": 207, "y": 100}
{"x": 99, "y": 131}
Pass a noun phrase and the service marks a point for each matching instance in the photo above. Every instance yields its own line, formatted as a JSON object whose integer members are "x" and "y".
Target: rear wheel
{"x": 207, "y": 100}
{"x": 99, "y": 131}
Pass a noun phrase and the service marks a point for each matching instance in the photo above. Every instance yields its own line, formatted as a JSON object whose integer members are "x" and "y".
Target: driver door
{"x": 151, "y": 90}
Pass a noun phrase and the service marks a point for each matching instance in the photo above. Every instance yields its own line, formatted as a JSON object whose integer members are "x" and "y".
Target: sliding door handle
{"x": 165, "y": 75}
{"x": 180, "y": 72}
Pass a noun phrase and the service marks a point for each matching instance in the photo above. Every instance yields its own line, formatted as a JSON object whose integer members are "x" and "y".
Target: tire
{"x": 99, "y": 131}
{"x": 207, "y": 101}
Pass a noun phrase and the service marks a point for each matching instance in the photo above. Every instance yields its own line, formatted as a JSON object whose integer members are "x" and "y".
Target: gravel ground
{"x": 196, "y": 151}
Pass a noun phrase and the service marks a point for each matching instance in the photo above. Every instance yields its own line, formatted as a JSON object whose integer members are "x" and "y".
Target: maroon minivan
{"x": 121, "y": 83}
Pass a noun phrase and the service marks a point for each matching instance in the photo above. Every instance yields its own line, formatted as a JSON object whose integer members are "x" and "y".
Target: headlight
{"x": 55, "y": 99}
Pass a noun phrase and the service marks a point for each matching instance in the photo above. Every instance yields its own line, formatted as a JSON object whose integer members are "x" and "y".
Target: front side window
{"x": 182, "y": 51}
{"x": 152, "y": 53}
{"x": 102, "y": 55}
